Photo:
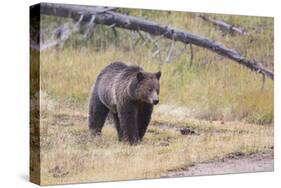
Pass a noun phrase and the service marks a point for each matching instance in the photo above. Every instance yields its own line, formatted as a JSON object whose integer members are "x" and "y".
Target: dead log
{"x": 104, "y": 15}
{"x": 223, "y": 25}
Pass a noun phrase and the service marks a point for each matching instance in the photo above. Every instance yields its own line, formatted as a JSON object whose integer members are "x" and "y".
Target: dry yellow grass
{"x": 69, "y": 154}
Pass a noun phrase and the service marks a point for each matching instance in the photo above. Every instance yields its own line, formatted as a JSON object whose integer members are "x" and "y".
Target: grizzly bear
{"x": 128, "y": 93}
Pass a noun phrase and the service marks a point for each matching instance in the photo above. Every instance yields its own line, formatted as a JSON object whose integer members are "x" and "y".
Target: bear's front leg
{"x": 128, "y": 122}
{"x": 144, "y": 115}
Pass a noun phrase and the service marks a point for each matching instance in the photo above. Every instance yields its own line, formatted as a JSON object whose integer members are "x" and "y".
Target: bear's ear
{"x": 158, "y": 75}
{"x": 140, "y": 76}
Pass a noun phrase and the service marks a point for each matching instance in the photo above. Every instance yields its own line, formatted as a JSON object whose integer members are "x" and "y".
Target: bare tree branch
{"x": 171, "y": 49}
{"x": 90, "y": 27}
{"x": 156, "y": 45}
{"x": 107, "y": 17}
{"x": 115, "y": 35}
{"x": 191, "y": 55}
{"x": 223, "y": 25}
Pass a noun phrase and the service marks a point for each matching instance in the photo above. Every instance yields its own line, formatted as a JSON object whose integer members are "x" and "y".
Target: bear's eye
{"x": 150, "y": 89}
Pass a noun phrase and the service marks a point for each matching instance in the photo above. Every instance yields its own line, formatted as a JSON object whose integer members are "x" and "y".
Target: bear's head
{"x": 147, "y": 87}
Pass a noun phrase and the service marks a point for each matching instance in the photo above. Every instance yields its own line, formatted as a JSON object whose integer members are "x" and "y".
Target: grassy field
{"x": 218, "y": 99}
{"x": 70, "y": 154}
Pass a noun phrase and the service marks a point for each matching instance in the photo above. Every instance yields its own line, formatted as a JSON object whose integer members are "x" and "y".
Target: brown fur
{"x": 128, "y": 93}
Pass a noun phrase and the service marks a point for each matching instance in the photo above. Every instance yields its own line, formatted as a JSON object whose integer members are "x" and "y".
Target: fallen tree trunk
{"x": 105, "y": 16}
{"x": 223, "y": 25}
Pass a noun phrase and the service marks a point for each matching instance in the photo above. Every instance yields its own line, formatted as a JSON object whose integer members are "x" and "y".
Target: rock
{"x": 187, "y": 131}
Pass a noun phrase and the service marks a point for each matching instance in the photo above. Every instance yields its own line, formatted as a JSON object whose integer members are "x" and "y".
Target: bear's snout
{"x": 155, "y": 102}
{"x": 154, "y": 99}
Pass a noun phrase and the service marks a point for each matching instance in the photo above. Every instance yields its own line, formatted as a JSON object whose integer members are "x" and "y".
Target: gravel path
{"x": 259, "y": 162}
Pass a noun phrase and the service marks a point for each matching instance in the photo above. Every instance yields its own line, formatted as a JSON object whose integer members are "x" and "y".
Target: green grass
{"x": 220, "y": 90}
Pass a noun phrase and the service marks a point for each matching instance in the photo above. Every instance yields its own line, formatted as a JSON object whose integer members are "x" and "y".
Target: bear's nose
{"x": 155, "y": 102}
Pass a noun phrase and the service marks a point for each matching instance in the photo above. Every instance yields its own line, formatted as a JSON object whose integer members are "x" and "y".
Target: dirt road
{"x": 238, "y": 163}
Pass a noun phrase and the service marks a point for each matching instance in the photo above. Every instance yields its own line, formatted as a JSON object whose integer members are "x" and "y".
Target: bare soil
{"x": 234, "y": 163}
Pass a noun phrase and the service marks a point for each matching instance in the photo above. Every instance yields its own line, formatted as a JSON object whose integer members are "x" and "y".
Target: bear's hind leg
{"x": 97, "y": 115}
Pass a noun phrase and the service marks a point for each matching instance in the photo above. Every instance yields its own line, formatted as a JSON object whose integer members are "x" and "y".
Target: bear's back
{"x": 120, "y": 66}
{"x": 115, "y": 78}
{"x": 116, "y": 66}
{"x": 121, "y": 69}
